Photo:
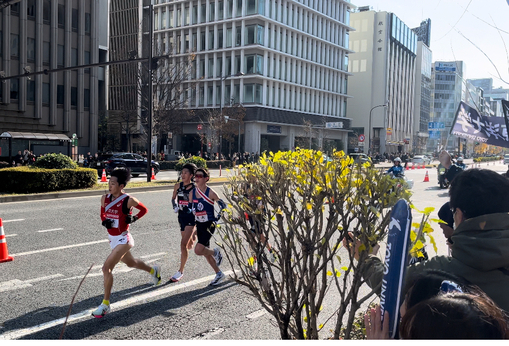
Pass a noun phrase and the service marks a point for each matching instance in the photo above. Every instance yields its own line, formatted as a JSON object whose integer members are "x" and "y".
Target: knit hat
{"x": 445, "y": 214}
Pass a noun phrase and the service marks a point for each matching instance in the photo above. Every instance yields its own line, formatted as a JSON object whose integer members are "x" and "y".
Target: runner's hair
{"x": 123, "y": 175}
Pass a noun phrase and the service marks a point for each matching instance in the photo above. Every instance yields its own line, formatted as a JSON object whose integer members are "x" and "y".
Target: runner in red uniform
{"x": 116, "y": 216}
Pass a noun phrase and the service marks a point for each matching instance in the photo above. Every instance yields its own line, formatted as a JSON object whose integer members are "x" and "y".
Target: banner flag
{"x": 469, "y": 124}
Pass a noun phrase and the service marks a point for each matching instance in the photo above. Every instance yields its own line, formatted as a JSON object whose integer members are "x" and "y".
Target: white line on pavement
{"x": 50, "y": 230}
{"x": 17, "y": 284}
{"x": 11, "y": 235}
{"x": 142, "y": 298}
{"x": 60, "y": 248}
{"x": 257, "y": 314}
{"x": 5, "y": 221}
{"x": 44, "y": 278}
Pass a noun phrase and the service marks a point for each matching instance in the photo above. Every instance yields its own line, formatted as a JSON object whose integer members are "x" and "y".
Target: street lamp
{"x": 369, "y": 129}
{"x": 221, "y": 110}
{"x": 228, "y": 118}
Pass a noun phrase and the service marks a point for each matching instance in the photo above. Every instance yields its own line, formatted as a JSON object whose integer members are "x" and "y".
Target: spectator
{"x": 446, "y": 215}
{"x": 25, "y": 157}
{"x": 18, "y": 159}
{"x": 480, "y": 207}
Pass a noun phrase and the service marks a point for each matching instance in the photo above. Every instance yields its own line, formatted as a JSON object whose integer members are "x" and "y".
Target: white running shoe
{"x": 156, "y": 277}
{"x": 217, "y": 280}
{"x": 178, "y": 275}
{"x": 102, "y": 310}
{"x": 217, "y": 256}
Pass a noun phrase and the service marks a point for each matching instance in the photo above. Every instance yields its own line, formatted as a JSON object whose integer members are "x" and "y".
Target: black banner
{"x": 471, "y": 125}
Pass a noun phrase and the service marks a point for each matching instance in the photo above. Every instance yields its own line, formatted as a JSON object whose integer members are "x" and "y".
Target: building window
{"x": 202, "y": 41}
{"x": 229, "y": 37}
{"x": 253, "y": 34}
{"x": 87, "y": 23}
{"x": 195, "y": 42}
{"x": 31, "y": 9}
{"x": 15, "y": 9}
{"x": 211, "y": 39}
{"x": 203, "y": 10}
{"x": 61, "y": 16}
{"x": 238, "y": 37}
{"x": 220, "y": 11}
{"x": 210, "y": 73}
{"x": 60, "y": 55}
{"x": 220, "y": 39}
{"x": 179, "y": 17}
{"x": 219, "y": 67}
{"x": 14, "y": 88}
{"x": 195, "y": 15}
{"x": 186, "y": 16}
{"x": 30, "y": 91}
{"x": 229, "y": 9}
{"x": 249, "y": 93}
{"x": 45, "y": 93}
{"x": 86, "y": 98}
{"x": 171, "y": 19}
{"x": 46, "y": 53}
{"x": 74, "y": 23}
{"x": 212, "y": 11}
{"x": 30, "y": 49}
{"x": 210, "y": 95}
{"x": 15, "y": 46}
{"x": 253, "y": 64}
{"x": 74, "y": 96}
{"x": 74, "y": 57}
{"x": 60, "y": 94}
{"x": 201, "y": 96}
{"x": 46, "y": 11}
{"x": 86, "y": 57}
{"x": 239, "y": 8}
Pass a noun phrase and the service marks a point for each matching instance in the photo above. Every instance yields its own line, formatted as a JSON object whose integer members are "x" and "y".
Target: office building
{"x": 45, "y": 111}
{"x": 383, "y": 81}
{"x": 285, "y": 61}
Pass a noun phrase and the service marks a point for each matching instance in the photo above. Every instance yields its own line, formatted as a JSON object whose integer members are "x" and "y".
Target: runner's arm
{"x": 175, "y": 188}
{"x": 134, "y": 203}
{"x": 103, "y": 212}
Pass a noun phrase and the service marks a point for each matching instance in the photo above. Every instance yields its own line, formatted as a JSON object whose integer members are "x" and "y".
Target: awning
{"x": 34, "y": 135}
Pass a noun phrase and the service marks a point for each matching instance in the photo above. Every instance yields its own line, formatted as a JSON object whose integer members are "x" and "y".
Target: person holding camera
{"x": 116, "y": 216}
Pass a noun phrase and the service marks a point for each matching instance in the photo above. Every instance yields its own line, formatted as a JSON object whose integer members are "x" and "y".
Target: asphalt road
{"x": 55, "y": 242}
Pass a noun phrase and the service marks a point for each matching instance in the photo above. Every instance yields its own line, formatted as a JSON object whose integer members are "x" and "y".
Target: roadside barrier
{"x": 153, "y": 175}
{"x": 103, "y": 178}
{"x": 426, "y": 178}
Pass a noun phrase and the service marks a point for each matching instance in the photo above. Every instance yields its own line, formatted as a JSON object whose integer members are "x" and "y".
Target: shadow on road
{"x": 121, "y": 318}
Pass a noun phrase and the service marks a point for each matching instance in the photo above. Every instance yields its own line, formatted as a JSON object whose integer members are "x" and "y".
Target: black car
{"x": 136, "y": 163}
{"x": 100, "y": 163}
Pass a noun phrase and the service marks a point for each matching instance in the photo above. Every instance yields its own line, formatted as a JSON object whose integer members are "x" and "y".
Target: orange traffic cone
{"x": 413, "y": 166}
{"x": 153, "y": 175}
{"x": 426, "y": 178}
{"x": 423, "y": 166}
{"x": 4, "y": 253}
{"x": 103, "y": 178}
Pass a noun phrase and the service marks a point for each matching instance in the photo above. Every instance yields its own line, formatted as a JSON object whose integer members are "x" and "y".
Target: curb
{"x": 59, "y": 195}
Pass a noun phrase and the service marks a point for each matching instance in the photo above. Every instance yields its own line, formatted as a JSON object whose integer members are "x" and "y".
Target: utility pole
{"x": 150, "y": 99}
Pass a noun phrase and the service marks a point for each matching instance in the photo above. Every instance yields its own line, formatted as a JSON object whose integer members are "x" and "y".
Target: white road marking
{"x": 50, "y": 230}
{"x": 257, "y": 314}
{"x": 11, "y": 235}
{"x": 5, "y": 221}
{"x": 142, "y": 298}
{"x": 154, "y": 255}
{"x": 18, "y": 284}
{"x": 60, "y": 248}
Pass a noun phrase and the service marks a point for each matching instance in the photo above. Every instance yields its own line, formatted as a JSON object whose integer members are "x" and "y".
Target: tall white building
{"x": 383, "y": 81}
{"x": 293, "y": 56}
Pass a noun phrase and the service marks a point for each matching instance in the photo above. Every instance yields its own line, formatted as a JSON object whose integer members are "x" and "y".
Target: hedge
{"x": 489, "y": 158}
{"x": 36, "y": 180}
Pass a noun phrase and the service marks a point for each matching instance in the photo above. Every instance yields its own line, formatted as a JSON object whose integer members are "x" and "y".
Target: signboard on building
{"x": 361, "y": 138}
{"x": 435, "y": 125}
{"x": 434, "y": 134}
{"x": 273, "y": 129}
{"x": 335, "y": 125}
{"x": 389, "y": 131}
{"x": 445, "y": 67}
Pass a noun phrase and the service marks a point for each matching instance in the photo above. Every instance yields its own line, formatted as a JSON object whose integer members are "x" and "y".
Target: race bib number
{"x": 183, "y": 204}
{"x": 201, "y": 216}
{"x": 115, "y": 223}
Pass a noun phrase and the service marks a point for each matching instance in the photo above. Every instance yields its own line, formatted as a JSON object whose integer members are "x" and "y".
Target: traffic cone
{"x": 4, "y": 253}
{"x": 153, "y": 175}
{"x": 423, "y": 166}
{"x": 426, "y": 178}
{"x": 413, "y": 166}
{"x": 103, "y": 178}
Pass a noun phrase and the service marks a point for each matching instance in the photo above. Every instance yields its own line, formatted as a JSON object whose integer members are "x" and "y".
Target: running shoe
{"x": 217, "y": 256}
{"x": 156, "y": 277}
{"x": 217, "y": 280}
{"x": 178, "y": 275}
{"x": 102, "y": 310}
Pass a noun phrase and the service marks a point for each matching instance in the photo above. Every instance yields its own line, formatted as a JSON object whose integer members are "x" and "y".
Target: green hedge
{"x": 490, "y": 158}
{"x": 36, "y": 180}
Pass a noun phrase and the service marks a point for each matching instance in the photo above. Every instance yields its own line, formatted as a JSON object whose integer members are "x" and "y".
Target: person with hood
{"x": 480, "y": 207}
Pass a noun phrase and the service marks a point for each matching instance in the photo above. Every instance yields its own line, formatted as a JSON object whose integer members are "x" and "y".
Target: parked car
{"x": 421, "y": 160}
{"x": 100, "y": 163}
{"x": 359, "y": 157}
{"x": 506, "y": 159}
{"x": 136, "y": 163}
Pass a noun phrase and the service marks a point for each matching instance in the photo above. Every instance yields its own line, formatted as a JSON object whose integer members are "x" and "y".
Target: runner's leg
{"x": 201, "y": 250}
{"x": 115, "y": 256}
{"x": 132, "y": 262}
{"x": 184, "y": 246}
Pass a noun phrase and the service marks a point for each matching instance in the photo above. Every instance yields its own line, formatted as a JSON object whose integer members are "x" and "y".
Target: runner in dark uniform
{"x": 186, "y": 220}
{"x": 203, "y": 199}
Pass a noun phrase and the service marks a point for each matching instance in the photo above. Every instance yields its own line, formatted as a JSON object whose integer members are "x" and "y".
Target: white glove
{"x": 176, "y": 209}
{"x": 193, "y": 211}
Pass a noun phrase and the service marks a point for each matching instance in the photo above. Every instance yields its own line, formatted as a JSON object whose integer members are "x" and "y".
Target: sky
{"x": 453, "y": 24}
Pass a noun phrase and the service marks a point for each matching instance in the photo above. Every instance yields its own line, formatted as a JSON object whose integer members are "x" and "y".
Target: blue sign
{"x": 436, "y": 125}
{"x": 434, "y": 134}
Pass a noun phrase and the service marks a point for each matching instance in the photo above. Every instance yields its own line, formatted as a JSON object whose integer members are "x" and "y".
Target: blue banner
{"x": 395, "y": 264}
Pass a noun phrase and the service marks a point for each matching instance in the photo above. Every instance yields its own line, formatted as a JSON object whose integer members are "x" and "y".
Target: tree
{"x": 222, "y": 129}
{"x": 305, "y": 206}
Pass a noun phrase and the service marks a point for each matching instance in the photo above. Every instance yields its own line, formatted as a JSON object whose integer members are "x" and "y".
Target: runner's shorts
{"x": 186, "y": 219}
{"x": 124, "y": 238}
{"x": 204, "y": 231}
